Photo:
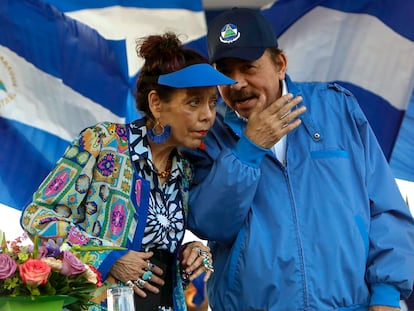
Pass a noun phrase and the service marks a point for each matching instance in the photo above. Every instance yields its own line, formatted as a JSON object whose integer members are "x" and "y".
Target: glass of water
{"x": 120, "y": 298}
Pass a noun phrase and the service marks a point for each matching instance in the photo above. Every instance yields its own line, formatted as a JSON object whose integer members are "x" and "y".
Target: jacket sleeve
{"x": 225, "y": 182}
{"x": 58, "y": 205}
{"x": 390, "y": 263}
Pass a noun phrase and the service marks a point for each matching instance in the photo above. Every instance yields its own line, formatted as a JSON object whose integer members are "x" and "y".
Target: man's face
{"x": 257, "y": 82}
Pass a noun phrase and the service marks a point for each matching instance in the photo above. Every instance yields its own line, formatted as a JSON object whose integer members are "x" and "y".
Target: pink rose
{"x": 7, "y": 266}
{"x": 34, "y": 272}
{"x": 71, "y": 264}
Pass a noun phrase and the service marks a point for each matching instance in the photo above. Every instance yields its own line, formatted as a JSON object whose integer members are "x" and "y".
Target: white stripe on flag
{"x": 329, "y": 45}
{"x": 43, "y": 101}
{"x": 10, "y": 222}
{"x": 118, "y": 23}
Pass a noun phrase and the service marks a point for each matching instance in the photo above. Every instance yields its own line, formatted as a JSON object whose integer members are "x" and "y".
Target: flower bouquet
{"x": 44, "y": 271}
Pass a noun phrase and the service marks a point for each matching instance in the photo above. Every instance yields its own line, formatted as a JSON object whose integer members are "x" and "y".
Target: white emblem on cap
{"x": 229, "y": 33}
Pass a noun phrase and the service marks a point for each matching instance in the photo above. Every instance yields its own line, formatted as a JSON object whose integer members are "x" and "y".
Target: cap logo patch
{"x": 229, "y": 33}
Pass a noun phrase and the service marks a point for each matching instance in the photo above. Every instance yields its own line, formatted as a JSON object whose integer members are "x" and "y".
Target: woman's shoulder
{"x": 110, "y": 128}
{"x": 105, "y": 134}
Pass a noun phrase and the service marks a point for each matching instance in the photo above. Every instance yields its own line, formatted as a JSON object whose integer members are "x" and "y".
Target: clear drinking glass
{"x": 120, "y": 298}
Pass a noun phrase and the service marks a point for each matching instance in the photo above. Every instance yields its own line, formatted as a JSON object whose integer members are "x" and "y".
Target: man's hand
{"x": 267, "y": 125}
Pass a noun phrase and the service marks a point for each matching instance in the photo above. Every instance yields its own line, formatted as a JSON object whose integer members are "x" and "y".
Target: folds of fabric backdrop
{"x": 366, "y": 46}
{"x": 65, "y": 65}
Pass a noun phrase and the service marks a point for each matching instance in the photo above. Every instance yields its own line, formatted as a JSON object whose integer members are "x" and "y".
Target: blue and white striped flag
{"x": 365, "y": 45}
{"x": 129, "y": 20}
{"x": 65, "y": 65}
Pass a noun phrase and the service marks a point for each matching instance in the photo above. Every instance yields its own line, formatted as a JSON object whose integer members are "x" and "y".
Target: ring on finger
{"x": 140, "y": 283}
{"x": 130, "y": 283}
{"x": 150, "y": 265}
{"x": 200, "y": 252}
{"x": 203, "y": 253}
{"x": 147, "y": 275}
{"x": 284, "y": 115}
{"x": 196, "y": 248}
{"x": 207, "y": 264}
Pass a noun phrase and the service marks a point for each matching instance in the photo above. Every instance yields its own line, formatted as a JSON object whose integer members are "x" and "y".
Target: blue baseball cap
{"x": 239, "y": 33}
{"x": 198, "y": 75}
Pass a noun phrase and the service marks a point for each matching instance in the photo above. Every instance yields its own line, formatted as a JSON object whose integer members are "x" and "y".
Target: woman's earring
{"x": 161, "y": 135}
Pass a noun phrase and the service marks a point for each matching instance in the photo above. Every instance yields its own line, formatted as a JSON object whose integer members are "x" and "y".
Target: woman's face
{"x": 190, "y": 113}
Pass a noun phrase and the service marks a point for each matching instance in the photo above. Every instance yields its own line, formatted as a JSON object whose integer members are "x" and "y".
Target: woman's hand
{"x": 195, "y": 259}
{"x": 130, "y": 269}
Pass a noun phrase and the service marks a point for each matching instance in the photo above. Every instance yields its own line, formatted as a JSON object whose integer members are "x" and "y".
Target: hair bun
{"x": 160, "y": 48}
{"x": 163, "y": 54}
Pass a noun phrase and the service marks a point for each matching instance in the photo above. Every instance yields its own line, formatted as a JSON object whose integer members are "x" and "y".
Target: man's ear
{"x": 281, "y": 65}
{"x": 154, "y": 103}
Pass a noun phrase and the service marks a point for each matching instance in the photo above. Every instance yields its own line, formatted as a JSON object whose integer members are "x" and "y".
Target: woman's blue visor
{"x": 198, "y": 75}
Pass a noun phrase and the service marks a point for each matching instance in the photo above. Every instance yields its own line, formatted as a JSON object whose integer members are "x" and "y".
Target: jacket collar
{"x": 238, "y": 124}
{"x": 313, "y": 131}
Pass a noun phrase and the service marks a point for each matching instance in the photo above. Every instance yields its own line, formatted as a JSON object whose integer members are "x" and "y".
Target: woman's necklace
{"x": 165, "y": 173}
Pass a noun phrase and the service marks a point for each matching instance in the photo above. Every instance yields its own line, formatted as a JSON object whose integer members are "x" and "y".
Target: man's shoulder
{"x": 330, "y": 97}
{"x": 316, "y": 86}
{"x": 105, "y": 127}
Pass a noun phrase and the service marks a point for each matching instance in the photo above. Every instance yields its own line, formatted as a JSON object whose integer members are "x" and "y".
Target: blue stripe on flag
{"x": 397, "y": 14}
{"x": 75, "y": 5}
{"x": 384, "y": 119}
{"x": 26, "y": 158}
{"x": 402, "y": 162}
{"x": 284, "y": 13}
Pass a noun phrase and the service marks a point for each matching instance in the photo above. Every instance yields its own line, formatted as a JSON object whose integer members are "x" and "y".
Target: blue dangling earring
{"x": 163, "y": 134}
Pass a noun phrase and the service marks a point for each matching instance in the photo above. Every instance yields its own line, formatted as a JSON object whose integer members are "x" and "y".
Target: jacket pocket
{"x": 321, "y": 154}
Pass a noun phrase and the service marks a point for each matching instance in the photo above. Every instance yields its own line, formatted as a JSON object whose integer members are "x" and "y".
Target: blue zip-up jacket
{"x": 328, "y": 231}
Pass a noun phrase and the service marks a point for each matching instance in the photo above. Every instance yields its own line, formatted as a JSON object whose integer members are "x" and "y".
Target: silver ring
{"x": 200, "y": 252}
{"x": 130, "y": 284}
{"x": 282, "y": 117}
{"x": 150, "y": 265}
{"x": 206, "y": 258}
{"x": 203, "y": 253}
{"x": 198, "y": 249}
{"x": 140, "y": 283}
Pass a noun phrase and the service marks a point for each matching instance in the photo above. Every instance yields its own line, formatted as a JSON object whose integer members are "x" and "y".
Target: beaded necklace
{"x": 165, "y": 173}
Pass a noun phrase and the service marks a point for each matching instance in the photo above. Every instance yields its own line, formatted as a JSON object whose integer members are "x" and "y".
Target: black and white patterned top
{"x": 165, "y": 222}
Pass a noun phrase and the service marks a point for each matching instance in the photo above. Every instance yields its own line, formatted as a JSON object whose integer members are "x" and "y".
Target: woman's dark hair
{"x": 162, "y": 54}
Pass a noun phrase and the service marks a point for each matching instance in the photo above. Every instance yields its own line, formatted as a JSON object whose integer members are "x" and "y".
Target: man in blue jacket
{"x": 299, "y": 204}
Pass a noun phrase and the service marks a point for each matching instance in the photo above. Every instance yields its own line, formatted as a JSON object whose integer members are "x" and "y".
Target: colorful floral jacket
{"x": 95, "y": 189}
